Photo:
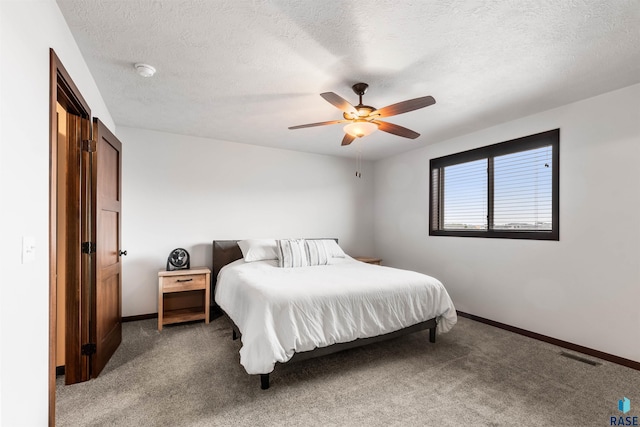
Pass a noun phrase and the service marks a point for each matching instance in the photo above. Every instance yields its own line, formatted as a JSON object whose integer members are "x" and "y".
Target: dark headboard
{"x": 224, "y": 252}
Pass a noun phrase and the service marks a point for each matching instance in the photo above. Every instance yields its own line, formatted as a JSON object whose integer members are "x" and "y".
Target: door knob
{"x": 121, "y": 253}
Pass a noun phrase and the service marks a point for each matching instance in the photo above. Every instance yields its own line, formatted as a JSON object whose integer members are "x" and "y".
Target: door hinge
{"x": 88, "y": 247}
{"x": 89, "y": 145}
{"x": 88, "y": 349}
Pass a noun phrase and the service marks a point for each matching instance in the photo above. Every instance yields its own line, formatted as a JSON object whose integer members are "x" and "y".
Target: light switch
{"x": 28, "y": 249}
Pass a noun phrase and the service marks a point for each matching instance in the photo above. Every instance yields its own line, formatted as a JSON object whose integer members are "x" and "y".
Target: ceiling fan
{"x": 363, "y": 119}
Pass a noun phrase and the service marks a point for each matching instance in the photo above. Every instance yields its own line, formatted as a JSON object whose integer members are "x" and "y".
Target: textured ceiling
{"x": 244, "y": 71}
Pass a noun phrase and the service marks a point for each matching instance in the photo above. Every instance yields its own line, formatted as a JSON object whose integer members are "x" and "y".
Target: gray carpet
{"x": 189, "y": 375}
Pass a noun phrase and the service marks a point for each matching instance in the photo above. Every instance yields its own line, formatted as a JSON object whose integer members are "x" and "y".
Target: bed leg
{"x": 264, "y": 381}
{"x": 432, "y": 335}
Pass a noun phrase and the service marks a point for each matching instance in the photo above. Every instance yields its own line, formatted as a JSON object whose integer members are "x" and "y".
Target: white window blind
{"x": 465, "y": 196}
{"x": 522, "y": 190}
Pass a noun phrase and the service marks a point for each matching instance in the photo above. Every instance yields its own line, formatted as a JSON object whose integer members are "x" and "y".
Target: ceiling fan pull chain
{"x": 358, "y": 160}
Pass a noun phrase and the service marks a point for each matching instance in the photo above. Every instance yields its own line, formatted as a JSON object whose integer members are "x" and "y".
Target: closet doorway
{"x": 84, "y": 244}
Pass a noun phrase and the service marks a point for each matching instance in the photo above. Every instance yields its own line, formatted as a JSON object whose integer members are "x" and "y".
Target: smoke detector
{"x": 145, "y": 70}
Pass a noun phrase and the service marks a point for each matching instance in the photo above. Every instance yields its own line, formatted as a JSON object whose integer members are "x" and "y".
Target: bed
{"x": 287, "y": 314}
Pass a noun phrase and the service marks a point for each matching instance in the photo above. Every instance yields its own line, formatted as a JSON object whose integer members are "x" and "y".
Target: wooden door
{"x": 106, "y": 313}
{"x": 73, "y": 277}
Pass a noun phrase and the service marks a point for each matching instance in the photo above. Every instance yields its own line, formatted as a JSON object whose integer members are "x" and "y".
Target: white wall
{"x": 27, "y": 30}
{"x": 583, "y": 289}
{"x": 182, "y": 191}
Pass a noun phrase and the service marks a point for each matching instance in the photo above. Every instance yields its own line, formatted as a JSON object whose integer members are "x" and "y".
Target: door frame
{"x": 63, "y": 90}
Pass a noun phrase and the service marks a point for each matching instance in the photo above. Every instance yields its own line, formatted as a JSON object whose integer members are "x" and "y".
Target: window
{"x": 507, "y": 190}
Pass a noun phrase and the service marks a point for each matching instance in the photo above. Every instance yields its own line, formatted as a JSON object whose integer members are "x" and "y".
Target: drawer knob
{"x": 184, "y": 280}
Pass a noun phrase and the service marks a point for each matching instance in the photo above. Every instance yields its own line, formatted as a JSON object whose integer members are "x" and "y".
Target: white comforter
{"x": 281, "y": 311}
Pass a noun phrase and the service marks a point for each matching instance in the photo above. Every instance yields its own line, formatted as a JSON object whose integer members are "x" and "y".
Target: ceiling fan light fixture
{"x": 364, "y": 112}
{"x": 360, "y": 128}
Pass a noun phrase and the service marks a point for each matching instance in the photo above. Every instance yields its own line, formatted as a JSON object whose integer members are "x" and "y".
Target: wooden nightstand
{"x": 183, "y": 295}
{"x": 368, "y": 260}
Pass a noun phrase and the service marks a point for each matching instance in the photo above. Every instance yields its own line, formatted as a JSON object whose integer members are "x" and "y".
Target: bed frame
{"x": 227, "y": 251}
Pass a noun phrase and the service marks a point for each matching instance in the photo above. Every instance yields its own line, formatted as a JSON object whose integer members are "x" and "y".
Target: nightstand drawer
{"x": 187, "y": 282}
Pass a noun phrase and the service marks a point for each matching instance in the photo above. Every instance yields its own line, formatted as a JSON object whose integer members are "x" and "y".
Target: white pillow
{"x": 333, "y": 249}
{"x": 258, "y": 249}
{"x": 292, "y": 253}
{"x": 316, "y": 252}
